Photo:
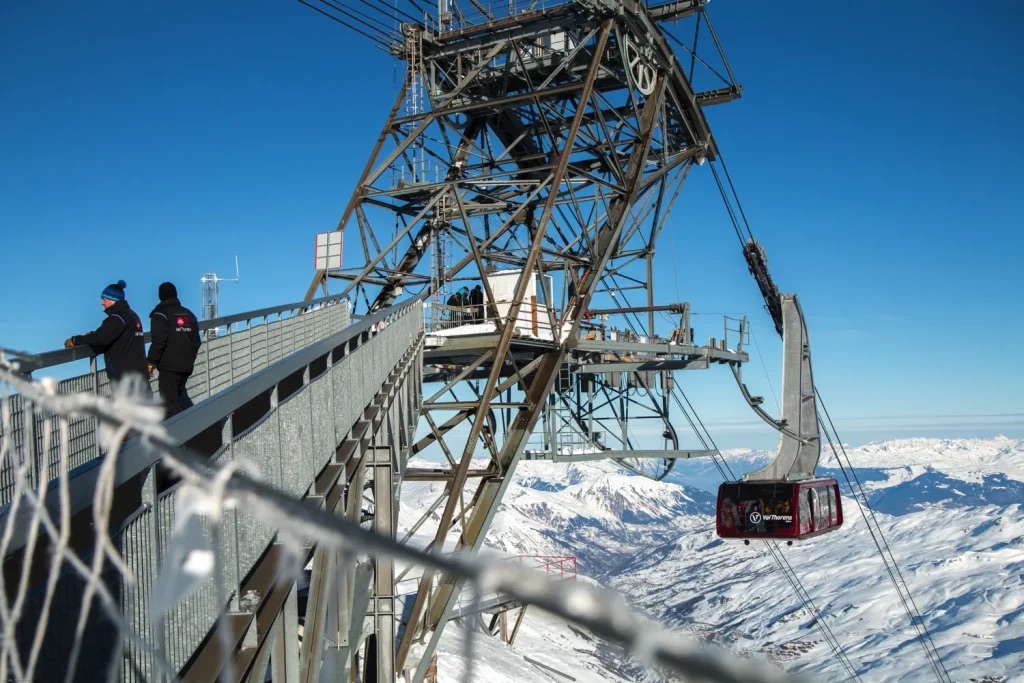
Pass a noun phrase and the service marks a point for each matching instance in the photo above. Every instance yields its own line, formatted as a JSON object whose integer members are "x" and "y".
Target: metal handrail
{"x": 30, "y": 362}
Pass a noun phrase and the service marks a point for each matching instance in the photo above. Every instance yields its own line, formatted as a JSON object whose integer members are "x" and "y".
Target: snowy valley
{"x": 950, "y": 510}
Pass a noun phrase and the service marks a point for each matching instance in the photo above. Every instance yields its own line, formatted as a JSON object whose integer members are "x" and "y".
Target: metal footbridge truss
{"x": 534, "y": 152}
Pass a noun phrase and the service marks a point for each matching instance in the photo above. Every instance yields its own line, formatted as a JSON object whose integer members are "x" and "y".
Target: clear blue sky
{"x": 877, "y": 150}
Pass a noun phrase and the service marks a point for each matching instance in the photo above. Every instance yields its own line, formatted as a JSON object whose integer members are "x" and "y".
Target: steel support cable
{"x": 373, "y": 23}
{"x": 694, "y": 57}
{"x": 622, "y": 292}
{"x": 376, "y": 40}
{"x": 786, "y": 568}
{"x": 384, "y": 35}
{"x": 763, "y": 366}
{"x": 773, "y": 548}
{"x": 907, "y": 601}
{"x": 696, "y": 35}
{"x": 776, "y": 552}
{"x": 390, "y": 11}
{"x": 735, "y": 194}
{"x": 837, "y": 649}
{"x": 721, "y": 52}
{"x": 426, "y": 10}
{"x": 728, "y": 205}
{"x": 882, "y": 545}
{"x": 719, "y": 462}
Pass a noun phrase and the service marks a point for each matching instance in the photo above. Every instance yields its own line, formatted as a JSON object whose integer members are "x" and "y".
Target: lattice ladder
{"x": 414, "y": 100}
{"x": 562, "y": 430}
{"x": 413, "y": 81}
{"x": 440, "y": 245}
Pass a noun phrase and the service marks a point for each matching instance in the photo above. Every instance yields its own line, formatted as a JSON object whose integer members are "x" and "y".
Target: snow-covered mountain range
{"x": 951, "y": 512}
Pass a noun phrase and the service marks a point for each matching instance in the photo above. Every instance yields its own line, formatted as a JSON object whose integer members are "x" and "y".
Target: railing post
{"x": 284, "y": 660}
{"x": 280, "y": 337}
{"x": 94, "y": 373}
{"x": 305, "y": 322}
{"x": 206, "y": 353}
{"x": 150, "y": 500}
{"x": 28, "y": 416}
{"x": 231, "y": 356}
{"x": 274, "y": 399}
{"x": 229, "y": 530}
{"x": 248, "y": 326}
{"x": 266, "y": 338}
{"x": 331, "y": 397}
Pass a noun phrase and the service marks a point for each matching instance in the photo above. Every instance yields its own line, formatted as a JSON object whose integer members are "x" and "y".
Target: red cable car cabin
{"x": 790, "y": 510}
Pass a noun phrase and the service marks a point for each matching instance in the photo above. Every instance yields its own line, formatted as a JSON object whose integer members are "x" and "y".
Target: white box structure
{"x": 533, "y": 318}
{"x": 328, "y": 250}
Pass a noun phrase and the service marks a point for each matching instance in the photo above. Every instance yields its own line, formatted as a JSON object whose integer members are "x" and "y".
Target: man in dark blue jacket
{"x": 175, "y": 337}
{"x": 119, "y": 338}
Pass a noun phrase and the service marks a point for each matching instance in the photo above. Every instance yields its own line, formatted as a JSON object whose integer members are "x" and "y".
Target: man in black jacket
{"x": 175, "y": 337}
{"x": 454, "y": 307}
{"x": 119, "y": 338}
{"x": 476, "y": 299}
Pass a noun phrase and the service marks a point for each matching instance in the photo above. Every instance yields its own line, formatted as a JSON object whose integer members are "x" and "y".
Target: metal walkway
{"x": 307, "y": 399}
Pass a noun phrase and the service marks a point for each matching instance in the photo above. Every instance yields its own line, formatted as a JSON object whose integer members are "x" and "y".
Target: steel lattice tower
{"x": 541, "y": 149}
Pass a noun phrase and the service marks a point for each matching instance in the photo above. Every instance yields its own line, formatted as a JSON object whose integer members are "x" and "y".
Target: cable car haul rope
{"x": 785, "y": 500}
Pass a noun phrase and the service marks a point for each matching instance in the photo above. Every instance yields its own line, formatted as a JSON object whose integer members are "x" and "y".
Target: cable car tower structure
{"x": 535, "y": 150}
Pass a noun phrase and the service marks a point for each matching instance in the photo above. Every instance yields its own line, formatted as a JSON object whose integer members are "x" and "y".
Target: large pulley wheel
{"x": 638, "y": 65}
{"x": 652, "y": 468}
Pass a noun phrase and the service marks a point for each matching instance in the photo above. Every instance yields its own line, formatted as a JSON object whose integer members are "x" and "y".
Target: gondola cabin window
{"x": 778, "y": 509}
{"x": 806, "y": 510}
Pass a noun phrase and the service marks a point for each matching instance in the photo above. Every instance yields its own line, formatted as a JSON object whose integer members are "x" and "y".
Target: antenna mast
{"x": 211, "y": 294}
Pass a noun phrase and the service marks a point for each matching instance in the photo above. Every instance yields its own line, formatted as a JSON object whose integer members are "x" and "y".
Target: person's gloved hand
{"x": 68, "y": 343}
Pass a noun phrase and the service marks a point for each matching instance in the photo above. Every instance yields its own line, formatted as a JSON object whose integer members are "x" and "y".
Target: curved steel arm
{"x": 755, "y": 404}
{"x": 800, "y": 448}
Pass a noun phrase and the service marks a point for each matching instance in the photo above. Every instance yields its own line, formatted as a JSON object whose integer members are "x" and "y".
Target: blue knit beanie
{"x": 115, "y": 292}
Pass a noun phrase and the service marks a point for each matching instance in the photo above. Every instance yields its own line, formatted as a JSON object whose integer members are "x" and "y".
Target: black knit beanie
{"x": 168, "y": 291}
